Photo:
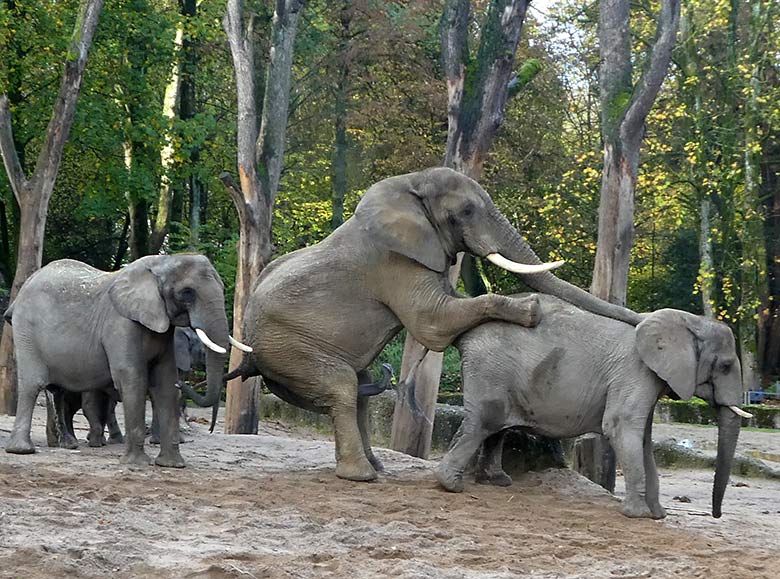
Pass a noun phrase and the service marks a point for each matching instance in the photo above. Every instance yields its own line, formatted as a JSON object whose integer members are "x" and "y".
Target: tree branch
{"x": 8, "y": 150}
{"x": 648, "y": 86}
{"x": 65, "y": 106}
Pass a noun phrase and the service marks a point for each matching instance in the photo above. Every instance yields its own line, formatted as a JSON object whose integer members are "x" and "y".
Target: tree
{"x": 478, "y": 89}
{"x": 260, "y": 155}
{"x": 624, "y": 109}
{"x": 33, "y": 193}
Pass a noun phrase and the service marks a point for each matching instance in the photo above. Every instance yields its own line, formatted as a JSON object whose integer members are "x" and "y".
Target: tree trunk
{"x": 33, "y": 194}
{"x": 162, "y": 220}
{"x": 339, "y": 164}
{"x": 260, "y": 156}
{"x": 474, "y": 117}
{"x": 624, "y": 108}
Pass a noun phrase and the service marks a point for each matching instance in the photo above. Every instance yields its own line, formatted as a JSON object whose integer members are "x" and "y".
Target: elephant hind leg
{"x": 472, "y": 434}
{"x": 33, "y": 378}
{"x": 490, "y": 469}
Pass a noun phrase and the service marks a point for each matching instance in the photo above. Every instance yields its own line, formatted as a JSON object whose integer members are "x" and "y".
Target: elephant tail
{"x": 9, "y": 314}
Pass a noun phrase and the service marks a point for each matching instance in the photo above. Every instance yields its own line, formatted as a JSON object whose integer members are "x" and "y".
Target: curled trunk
{"x": 728, "y": 433}
{"x": 214, "y": 324}
{"x": 513, "y": 246}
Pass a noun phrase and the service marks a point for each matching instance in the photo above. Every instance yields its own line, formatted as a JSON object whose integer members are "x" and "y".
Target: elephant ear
{"x": 668, "y": 347}
{"x": 136, "y": 296}
{"x": 392, "y": 213}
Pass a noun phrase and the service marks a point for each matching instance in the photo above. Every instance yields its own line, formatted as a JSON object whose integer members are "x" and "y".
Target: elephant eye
{"x": 726, "y": 367}
{"x": 468, "y": 210}
{"x": 187, "y": 294}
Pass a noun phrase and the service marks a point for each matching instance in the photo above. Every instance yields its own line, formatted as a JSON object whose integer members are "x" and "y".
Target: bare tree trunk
{"x": 162, "y": 220}
{"x": 34, "y": 194}
{"x": 260, "y": 156}
{"x": 754, "y": 291}
{"x": 473, "y": 120}
{"x": 624, "y": 109}
{"x": 339, "y": 164}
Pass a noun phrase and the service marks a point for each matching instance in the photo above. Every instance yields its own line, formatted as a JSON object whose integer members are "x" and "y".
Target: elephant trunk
{"x": 215, "y": 327}
{"x": 512, "y": 245}
{"x": 728, "y": 432}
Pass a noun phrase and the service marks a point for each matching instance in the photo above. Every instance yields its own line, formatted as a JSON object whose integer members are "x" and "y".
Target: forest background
{"x": 155, "y": 126}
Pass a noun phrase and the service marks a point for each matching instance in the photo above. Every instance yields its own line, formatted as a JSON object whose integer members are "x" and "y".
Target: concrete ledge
{"x": 522, "y": 452}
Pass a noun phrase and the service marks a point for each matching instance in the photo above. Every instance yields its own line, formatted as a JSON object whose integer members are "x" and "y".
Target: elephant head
{"x": 180, "y": 290}
{"x": 697, "y": 356}
{"x": 432, "y": 215}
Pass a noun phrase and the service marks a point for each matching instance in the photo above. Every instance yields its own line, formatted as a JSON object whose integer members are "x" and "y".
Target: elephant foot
{"x": 526, "y": 311}
{"x": 116, "y": 439}
{"x": 20, "y": 445}
{"x": 96, "y": 441}
{"x": 636, "y": 510}
{"x": 658, "y": 511}
{"x": 170, "y": 460}
{"x": 361, "y": 471}
{"x": 69, "y": 442}
{"x": 450, "y": 479}
{"x": 136, "y": 458}
{"x": 154, "y": 439}
{"x": 497, "y": 478}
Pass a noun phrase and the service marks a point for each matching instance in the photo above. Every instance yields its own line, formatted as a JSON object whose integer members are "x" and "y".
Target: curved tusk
{"x": 739, "y": 412}
{"x": 515, "y": 267}
{"x": 239, "y": 345}
{"x": 208, "y": 343}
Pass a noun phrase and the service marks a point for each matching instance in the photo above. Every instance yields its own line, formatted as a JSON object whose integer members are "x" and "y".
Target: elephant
{"x": 577, "y": 373}
{"x": 83, "y": 329}
{"x": 99, "y": 406}
{"x": 317, "y": 317}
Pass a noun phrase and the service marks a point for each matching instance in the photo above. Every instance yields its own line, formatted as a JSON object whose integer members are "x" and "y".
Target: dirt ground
{"x": 270, "y": 506}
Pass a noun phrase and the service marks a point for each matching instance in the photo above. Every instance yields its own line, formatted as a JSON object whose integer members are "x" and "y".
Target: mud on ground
{"x": 270, "y": 506}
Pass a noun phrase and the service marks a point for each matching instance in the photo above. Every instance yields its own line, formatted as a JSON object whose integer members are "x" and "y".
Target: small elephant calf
{"x": 578, "y": 372}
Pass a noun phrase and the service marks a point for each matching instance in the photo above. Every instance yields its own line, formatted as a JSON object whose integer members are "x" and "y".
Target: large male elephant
{"x": 317, "y": 317}
{"x": 577, "y": 373}
{"x": 82, "y": 329}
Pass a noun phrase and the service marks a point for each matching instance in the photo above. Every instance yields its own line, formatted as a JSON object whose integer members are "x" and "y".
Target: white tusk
{"x": 739, "y": 412}
{"x": 515, "y": 267}
{"x": 208, "y": 343}
{"x": 239, "y": 345}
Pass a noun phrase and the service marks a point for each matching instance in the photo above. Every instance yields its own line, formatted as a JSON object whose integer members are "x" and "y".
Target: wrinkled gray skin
{"x": 83, "y": 329}
{"x": 577, "y": 373}
{"x": 99, "y": 406}
{"x": 317, "y": 317}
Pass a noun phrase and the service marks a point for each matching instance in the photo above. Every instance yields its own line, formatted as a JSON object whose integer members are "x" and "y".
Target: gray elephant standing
{"x": 83, "y": 329}
{"x": 577, "y": 373}
{"x": 317, "y": 317}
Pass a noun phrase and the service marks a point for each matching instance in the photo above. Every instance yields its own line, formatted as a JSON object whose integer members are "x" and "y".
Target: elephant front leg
{"x": 651, "y": 474}
{"x": 31, "y": 381}
{"x": 443, "y": 317}
{"x": 133, "y": 390}
{"x": 627, "y": 441}
{"x": 166, "y": 410}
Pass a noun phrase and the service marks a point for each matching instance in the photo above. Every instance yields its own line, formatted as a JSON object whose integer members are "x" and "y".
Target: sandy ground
{"x": 270, "y": 506}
